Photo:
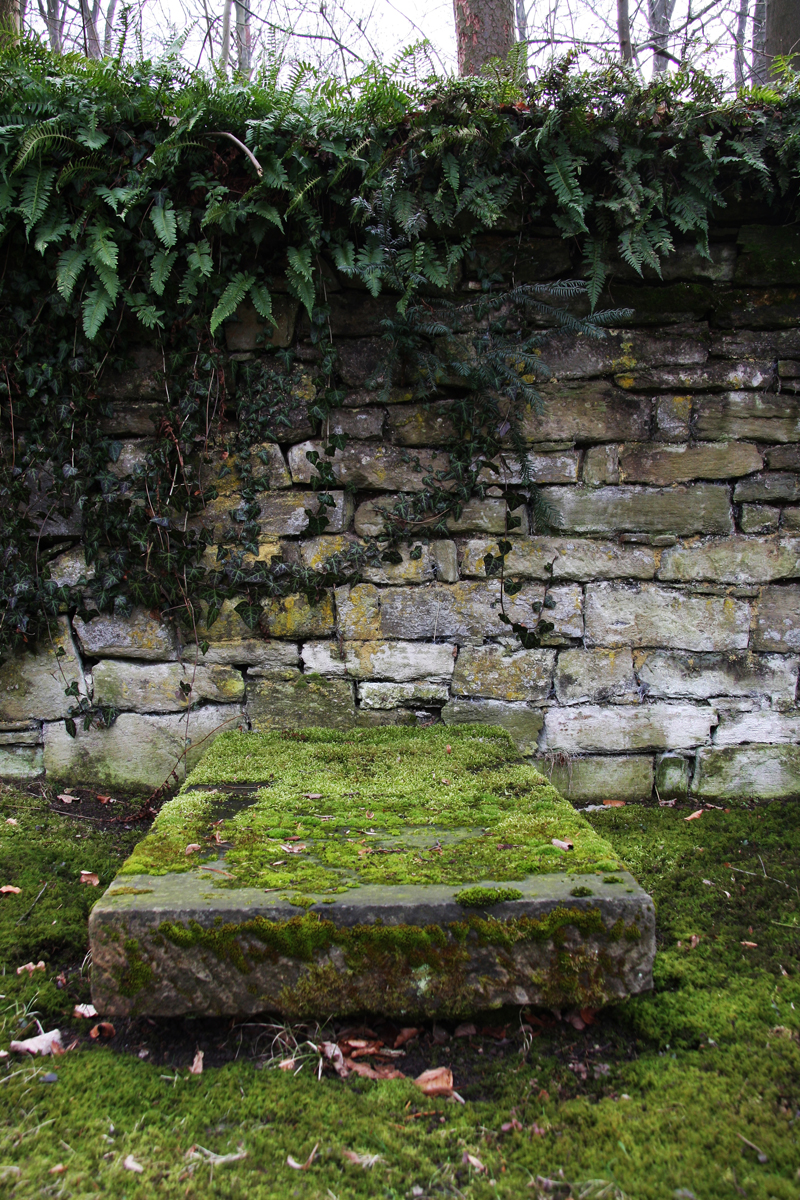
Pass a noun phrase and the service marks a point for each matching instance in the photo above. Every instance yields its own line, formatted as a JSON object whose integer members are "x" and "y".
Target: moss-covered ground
{"x": 674, "y": 1095}
{"x": 438, "y": 805}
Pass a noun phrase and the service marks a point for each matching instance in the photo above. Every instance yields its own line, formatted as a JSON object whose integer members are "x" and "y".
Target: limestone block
{"x": 670, "y": 675}
{"x": 363, "y": 397}
{"x": 368, "y": 465}
{"x": 249, "y": 331}
{"x": 772, "y": 487}
{"x": 371, "y": 718}
{"x": 523, "y": 723}
{"x": 32, "y": 682}
{"x": 531, "y": 259}
{"x": 294, "y": 617}
{"x": 269, "y": 465}
{"x": 682, "y": 510}
{"x": 737, "y": 560}
{"x": 363, "y": 361}
{"x": 672, "y": 776}
{"x": 748, "y": 416}
{"x": 437, "y": 560}
{"x": 281, "y": 513}
{"x": 504, "y": 673}
{"x": 156, "y": 687}
{"x": 357, "y": 314}
{"x": 783, "y": 458}
{"x": 571, "y": 357}
{"x": 267, "y": 550}
{"x": 762, "y": 725}
{"x": 749, "y": 343}
{"x": 594, "y": 412}
{"x": 132, "y": 458}
{"x": 601, "y": 465}
{"x": 602, "y": 777}
{"x": 685, "y": 262}
{"x": 673, "y": 414}
{"x": 529, "y": 557}
{"x": 26, "y": 733}
{"x": 778, "y": 619}
{"x": 647, "y": 615}
{"x": 232, "y": 642}
{"x": 551, "y": 466}
{"x": 759, "y": 518}
{"x": 310, "y": 700}
{"x": 571, "y": 559}
{"x": 791, "y": 520}
{"x": 399, "y": 662}
{"x": 357, "y": 422}
{"x": 137, "y": 751}
{"x": 141, "y": 635}
{"x": 133, "y": 419}
{"x": 21, "y": 762}
{"x": 488, "y": 515}
{"x": 142, "y": 380}
{"x": 421, "y": 424}
{"x": 567, "y": 616}
{"x": 595, "y": 677}
{"x": 51, "y": 509}
{"x": 713, "y": 376}
{"x": 768, "y": 255}
{"x": 663, "y": 305}
{"x": 655, "y": 463}
{"x": 745, "y": 772}
{"x": 627, "y": 728}
{"x": 67, "y": 568}
{"x": 394, "y": 695}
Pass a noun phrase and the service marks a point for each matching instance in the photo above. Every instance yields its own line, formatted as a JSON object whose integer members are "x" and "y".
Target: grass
{"x": 652, "y": 1101}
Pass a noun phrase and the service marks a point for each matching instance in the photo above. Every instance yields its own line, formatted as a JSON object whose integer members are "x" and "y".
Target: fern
{"x": 161, "y": 267}
{"x": 164, "y": 223}
{"x": 96, "y": 307}
{"x": 230, "y": 299}
{"x": 34, "y": 194}
{"x": 68, "y": 270}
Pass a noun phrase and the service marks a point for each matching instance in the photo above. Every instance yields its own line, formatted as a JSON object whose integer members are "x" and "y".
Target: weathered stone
{"x": 530, "y": 259}
{"x": 421, "y": 424}
{"x": 644, "y": 615}
{"x": 142, "y": 380}
{"x": 26, "y": 733}
{"x": 377, "y": 718}
{"x": 232, "y": 642}
{"x": 759, "y": 518}
{"x": 562, "y": 559}
{"x": 267, "y": 550}
{"x": 768, "y": 254}
{"x": 132, "y": 458}
{"x": 295, "y": 617}
{"x": 673, "y": 414}
{"x": 51, "y": 508}
{"x": 747, "y": 772}
{"x": 672, "y": 776}
{"x": 756, "y": 416}
{"x": 277, "y": 704}
{"x": 762, "y": 344}
{"x": 283, "y": 513}
{"x": 133, "y": 419}
{"x": 682, "y": 510}
{"x": 161, "y": 687}
{"x": 732, "y": 560}
{"x": 356, "y": 422}
{"x": 790, "y": 520}
{"x": 393, "y": 695}
{"x": 364, "y": 398}
{"x": 137, "y": 751}
{"x": 141, "y": 635}
{"x": 685, "y": 261}
{"x": 571, "y": 357}
{"x": 437, "y": 560}
{"x": 655, "y": 463}
{"x": 552, "y": 466}
{"x": 602, "y": 777}
{"x": 668, "y": 675}
{"x": 488, "y": 515}
{"x": 32, "y": 683}
{"x": 368, "y": 465}
{"x": 627, "y": 728}
{"x": 21, "y": 762}
{"x": 269, "y": 466}
{"x": 362, "y": 361}
{"x": 249, "y": 331}
{"x": 712, "y": 376}
{"x": 662, "y": 305}
{"x": 595, "y": 677}
{"x": 356, "y": 314}
{"x": 522, "y": 722}
{"x": 504, "y": 673}
{"x": 396, "y": 661}
{"x": 783, "y": 458}
{"x": 778, "y": 619}
{"x": 762, "y": 725}
{"x": 772, "y": 487}
{"x": 595, "y": 412}
{"x": 601, "y": 465}
{"x": 69, "y": 567}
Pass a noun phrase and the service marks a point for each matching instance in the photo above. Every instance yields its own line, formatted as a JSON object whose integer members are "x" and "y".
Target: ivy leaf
{"x": 250, "y": 614}
{"x": 230, "y": 299}
{"x": 95, "y": 310}
{"x": 70, "y": 264}
{"x": 165, "y": 225}
{"x": 262, "y": 302}
{"x": 70, "y": 727}
{"x": 160, "y": 269}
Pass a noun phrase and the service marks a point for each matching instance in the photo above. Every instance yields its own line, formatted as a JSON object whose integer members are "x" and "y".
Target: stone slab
{"x": 647, "y": 615}
{"x": 21, "y": 762}
{"x": 522, "y": 722}
{"x": 142, "y": 635}
{"x": 504, "y": 673}
{"x": 656, "y": 463}
{"x": 748, "y": 416}
{"x": 585, "y": 676}
{"x": 163, "y": 687}
{"x": 737, "y": 560}
{"x": 32, "y": 684}
{"x": 680, "y": 510}
{"x": 486, "y": 516}
{"x": 394, "y": 661}
{"x": 458, "y": 611}
{"x": 386, "y": 695}
{"x": 369, "y": 465}
{"x": 675, "y": 675}
{"x": 600, "y": 777}
{"x": 778, "y": 619}
{"x": 761, "y": 725}
{"x": 307, "y": 700}
{"x": 759, "y": 772}
{"x": 627, "y": 728}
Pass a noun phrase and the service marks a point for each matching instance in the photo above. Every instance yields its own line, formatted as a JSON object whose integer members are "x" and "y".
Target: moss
{"x": 387, "y": 806}
{"x": 485, "y": 897}
{"x": 581, "y": 891}
{"x": 137, "y": 974}
{"x": 612, "y": 879}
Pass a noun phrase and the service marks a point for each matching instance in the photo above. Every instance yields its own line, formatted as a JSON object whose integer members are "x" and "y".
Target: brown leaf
{"x": 58, "y": 1169}
{"x": 361, "y": 1160}
{"x": 694, "y": 941}
{"x": 405, "y": 1035}
{"x": 368, "y": 1072}
{"x": 694, "y": 815}
{"x": 292, "y": 1162}
{"x": 750, "y": 945}
{"x": 437, "y": 1081}
{"x": 512, "y": 1126}
{"x": 313, "y": 795}
{"x": 43, "y": 1043}
{"x": 130, "y": 1164}
{"x": 588, "y": 1015}
{"x": 471, "y": 1161}
{"x": 103, "y": 1029}
{"x": 66, "y": 797}
{"x": 8, "y": 889}
{"x": 103, "y": 799}
{"x": 197, "y": 1066}
{"x": 30, "y": 967}
{"x": 90, "y": 878}
{"x": 614, "y": 803}
{"x": 465, "y": 1029}
{"x": 332, "y": 1054}
{"x": 11, "y": 821}
{"x": 192, "y": 848}
{"x": 561, "y": 844}
{"x": 84, "y": 1010}
{"x": 287, "y": 1064}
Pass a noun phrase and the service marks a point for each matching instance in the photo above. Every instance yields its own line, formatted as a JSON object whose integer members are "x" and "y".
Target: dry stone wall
{"x": 669, "y": 454}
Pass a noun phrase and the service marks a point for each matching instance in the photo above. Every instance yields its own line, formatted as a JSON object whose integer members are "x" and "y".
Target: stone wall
{"x": 670, "y": 454}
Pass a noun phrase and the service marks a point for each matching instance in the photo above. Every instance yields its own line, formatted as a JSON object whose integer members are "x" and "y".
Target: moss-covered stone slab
{"x": 406, "y": 871}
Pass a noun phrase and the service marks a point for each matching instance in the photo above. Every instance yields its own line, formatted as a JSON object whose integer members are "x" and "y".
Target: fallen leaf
{"x": 561, "y": 845}
{"x": 750, "y": 945}
{"x": 588, "y": 1015}
{"x": 58, "y": 1169}
{"x": 313, "y": 795}
{"x": 694, "y": 941}
{"x": 512, "y": 1126}
{"x": 197, "y": 1066}
{"x": 287, "y": 1064}
{"x": 103, "y": 799}
{"x": 8, "y": 889}
{"x": 614, "y": 803}
{"x": 130, "y": 1164}
{"x": 361, "y": 1160}
{"x": 3, "y": 1054}
{"x": 576, "y": 1021}
{"x": 438, "y": 1081}
{"x": 368, "y": 1072}
{"x": 66, "y": 797}
{"x": 103, "y": 1029}
{"x": 694, "y": 815}
{"x": 11, "y": 821}
{"x": 471, "y": 1161}
{"x": 405, "y": 1035}
{"x": 215, "y": 1160}
{"x": 84, "y": 1010}
{"x": 192, "y": 848}
{"x": 30, "y": 967}
{"x": 292, "y": 1162}
{"x": 466, "y": 1029}
{"x": 448, "y": 749}
{"x": 332, "y": 1054}
{"x": 90, "y": 878}
{"x": 44, "y": 1043}
{"x": 293, "y": 849}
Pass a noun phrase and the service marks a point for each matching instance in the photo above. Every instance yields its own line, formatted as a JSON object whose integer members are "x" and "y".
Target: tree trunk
{"x": 660, "y": 15}
{"x": 225, "y": 48}
{"x": 91, "y": 41}
{"x": 9, "y": 17}
{"x": 624, "y": 31}
{"x": 758, "y": 70}
{"x": 782, "y": 34}
{"x": 741, "y": 32}
{"x": 484, "y": 30}
{"x": 108, "y": 44}
{"x": 243, "y": 46}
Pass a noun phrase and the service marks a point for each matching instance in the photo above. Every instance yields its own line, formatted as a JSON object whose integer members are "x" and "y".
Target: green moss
{"x": 453, "y": 805}
{"x": 612, "y": 879}
{"x": 137, "y": 974}
{"x": 581, "y": 891}
{"x": 484, "y": 897}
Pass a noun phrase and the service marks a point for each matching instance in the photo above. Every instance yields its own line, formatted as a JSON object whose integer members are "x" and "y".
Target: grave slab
{"x": 411, "y": 872}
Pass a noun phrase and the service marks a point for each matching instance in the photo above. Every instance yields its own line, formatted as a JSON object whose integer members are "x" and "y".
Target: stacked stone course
{"x": 669, "y": 454}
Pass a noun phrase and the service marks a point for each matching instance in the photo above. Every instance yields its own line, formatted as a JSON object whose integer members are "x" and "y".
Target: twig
{"x": 771, "y": 878}
{"x": 241, "y": 145}
{"x": 25, "y": 916}
{"x": 762, "y": 1158}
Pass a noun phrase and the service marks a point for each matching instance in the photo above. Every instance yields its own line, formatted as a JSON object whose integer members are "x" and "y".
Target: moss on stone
{"x": 484, "y": 897}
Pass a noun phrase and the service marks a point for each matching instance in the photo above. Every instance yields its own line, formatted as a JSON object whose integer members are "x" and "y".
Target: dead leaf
{"x": 576, "y": 1021}
{"x": 471, "y": 1161}
{"x": 43, "y": 1043}
{"x": 292, "y": 1162}
{"x": 11, "y": 821}
{"x": 130, "y": 1164}
{"x": 361, "y": 1160}
{"x": 694, "y": 941}
{"x": 368, "y": 1072}
{"x": 84, "y": 1010}
{"x": 466, "y": 1029}
{"x": 666, "y": 803}
{"x": 437, "y": 1081}
{"x": 332, "y": 1054}
{"x": 313, "y": 795}
{"x": 30, "y": 967}
{"x": 693, "y": 816}
{"x": 192, "y": 848}
{"x": 215, "y": 1160}
{"x": 405, "y": 1035}
{"x": 287, "y": 1064}
{"x": 103, "y": 1029}
{"x": 8, "y": 889}
{"x": 512, "y": 1126}
{"x": 588, "y": 1015}
{"x": 197, "y": 1066}
{"x": 293, "y": 849}
{"x": 90, "y": 878}
{"x": 750, "y": 945}
{"x": 66, "y": 797}
{"x": 103, "y": 799}
{"x": 614, "y": 803}
{"x": 58, "y": 1169}
{"x": 561, "y": 845}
